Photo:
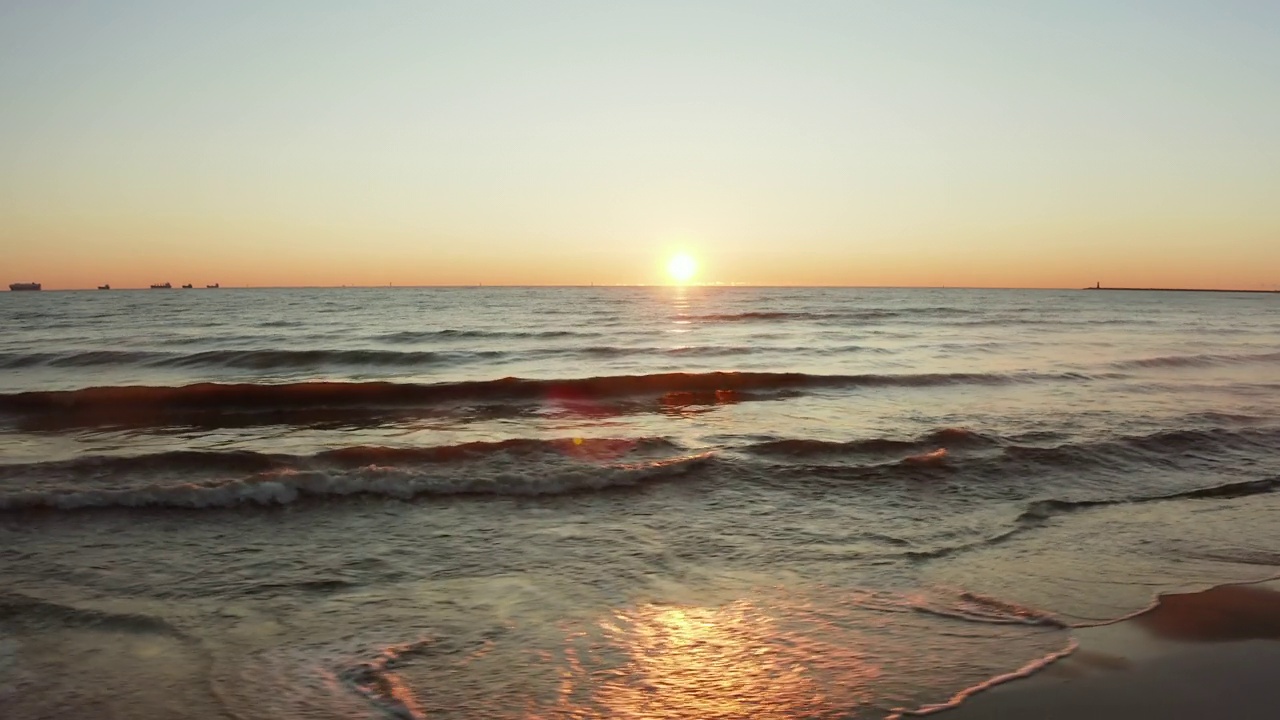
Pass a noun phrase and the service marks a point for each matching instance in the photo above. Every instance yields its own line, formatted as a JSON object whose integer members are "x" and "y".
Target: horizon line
{"x": 1274, "y": 288}
{"x": 563, "y": 285}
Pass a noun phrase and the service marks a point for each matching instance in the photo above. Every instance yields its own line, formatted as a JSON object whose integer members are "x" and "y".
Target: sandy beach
{"x": 1211, "y": 654}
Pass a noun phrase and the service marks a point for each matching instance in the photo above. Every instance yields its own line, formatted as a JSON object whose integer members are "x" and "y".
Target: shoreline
{"x": 1210, "y": 653}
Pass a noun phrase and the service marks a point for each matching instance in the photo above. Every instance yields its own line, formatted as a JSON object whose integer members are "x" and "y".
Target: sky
{"x": 307, "y": 142}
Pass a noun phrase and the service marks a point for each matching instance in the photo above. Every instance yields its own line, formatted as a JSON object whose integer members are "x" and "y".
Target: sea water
{"x": 608, "y": 502}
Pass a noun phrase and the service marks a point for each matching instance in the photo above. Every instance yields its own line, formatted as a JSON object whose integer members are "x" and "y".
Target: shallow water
{"x": 693, "y": 503}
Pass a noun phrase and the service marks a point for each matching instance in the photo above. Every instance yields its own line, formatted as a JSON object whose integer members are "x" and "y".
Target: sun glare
{"x": 682, "y": 267}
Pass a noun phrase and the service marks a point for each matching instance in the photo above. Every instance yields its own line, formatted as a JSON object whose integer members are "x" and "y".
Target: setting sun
{"x": 682, "y": 267}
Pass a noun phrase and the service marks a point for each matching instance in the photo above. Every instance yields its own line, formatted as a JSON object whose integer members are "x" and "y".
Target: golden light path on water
{"x": 822, "y": 653}
{"x": 733, "y": 661}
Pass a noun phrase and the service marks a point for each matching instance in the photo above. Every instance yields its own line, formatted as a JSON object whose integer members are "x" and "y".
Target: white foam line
{"x": 282, "y": 488}
{"x": 1027, "y": 670}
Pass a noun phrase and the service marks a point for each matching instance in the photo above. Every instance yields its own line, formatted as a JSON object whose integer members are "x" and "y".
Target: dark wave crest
{"x": 868, "y": 314}
{"x": 1041, "y": 510}
{"x": 1204, "y": 360}
{"x": 185, "y": 463}
{"x": 247, "y": 359}
{"x": 298, "y": 359}
{"x": 277, "y": 359}
{"x": 534, "y": 466}
{"x": 1037, "y": 512}
{"x": 21, "y": 608}
{"x": 800, "y": 447}
{"x": 757, "y": 316}
{"x": 1001, "y": 466}
{"x": 92, "y": 358}
{"x": 1161, "y": 448}
{"x": 162, "y": 403}
{"x": 414, "y": 336}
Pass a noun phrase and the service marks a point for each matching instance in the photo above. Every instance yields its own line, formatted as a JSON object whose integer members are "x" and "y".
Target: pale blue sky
{"x": 958, "y": 143}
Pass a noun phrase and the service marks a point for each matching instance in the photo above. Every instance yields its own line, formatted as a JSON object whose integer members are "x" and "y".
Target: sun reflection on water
{"x": 823, "y": 653}
{"x": 733, "y": 661}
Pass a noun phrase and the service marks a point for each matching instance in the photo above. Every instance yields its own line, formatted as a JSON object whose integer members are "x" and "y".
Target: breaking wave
{"x": 243, "y": 461}
{"x": 288, "y": 485}
{"x": 990, "y": 456}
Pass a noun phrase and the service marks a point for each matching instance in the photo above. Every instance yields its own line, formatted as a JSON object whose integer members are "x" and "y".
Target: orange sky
{"x": 977, "y": 144}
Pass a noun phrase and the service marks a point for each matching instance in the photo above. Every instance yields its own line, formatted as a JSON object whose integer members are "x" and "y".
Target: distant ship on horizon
{"x": 214, "y": 286}
{"x": 105, "y": 287}
{"x": 1098, "y": 286}
{"x": 18, "y": 287}
{"x": 164, "y": 286}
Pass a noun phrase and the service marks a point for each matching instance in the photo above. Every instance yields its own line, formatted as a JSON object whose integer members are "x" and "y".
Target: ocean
{"x": 655, "y": 502}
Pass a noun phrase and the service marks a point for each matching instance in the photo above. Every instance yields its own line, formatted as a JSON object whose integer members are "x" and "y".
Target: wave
{"x": 946, "y": 437}
{"x": 933, "y": 458}
{"x": 1042, "y": 510}
{"x": 998, "y": 469}
{"x": 530, "y": 466}
{"x": 173, "y": 461}
{"x": 415, "y": 336}
{"x": 277, "y": 359}
{"x": 957, "y": 604}
{"x": 1204, "y": 360}
{"x": 1146, "y": 448}
{"x": 18, "y": 361}
{"x": 1022, "y": 450}
{"x": 683, "y": 350}
{"x": 142, "y": 403}
{"x": 295, "y": 359}
{"x": 972, "y": 607}
{"x": 245, "y": 359}
{"x": 567, "y": 466}
{"x": 1161, "y": 448}
{"x": 186, "y": 462}
{"x": 757, "y": 316}
{"x": 1037, "y": 512}
{"x": 766, "y": 316}
{"x": 15, "y": 605}
{"x": 983, "y": 455}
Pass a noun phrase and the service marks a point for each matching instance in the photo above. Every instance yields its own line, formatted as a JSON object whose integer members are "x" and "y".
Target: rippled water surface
{"x": 613, "y": 502}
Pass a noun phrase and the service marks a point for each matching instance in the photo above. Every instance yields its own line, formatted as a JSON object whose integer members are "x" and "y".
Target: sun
{"x": 682, "y": 267}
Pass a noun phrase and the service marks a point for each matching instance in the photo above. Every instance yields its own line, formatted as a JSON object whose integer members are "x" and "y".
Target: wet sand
{"x": 1211, "y": 654}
